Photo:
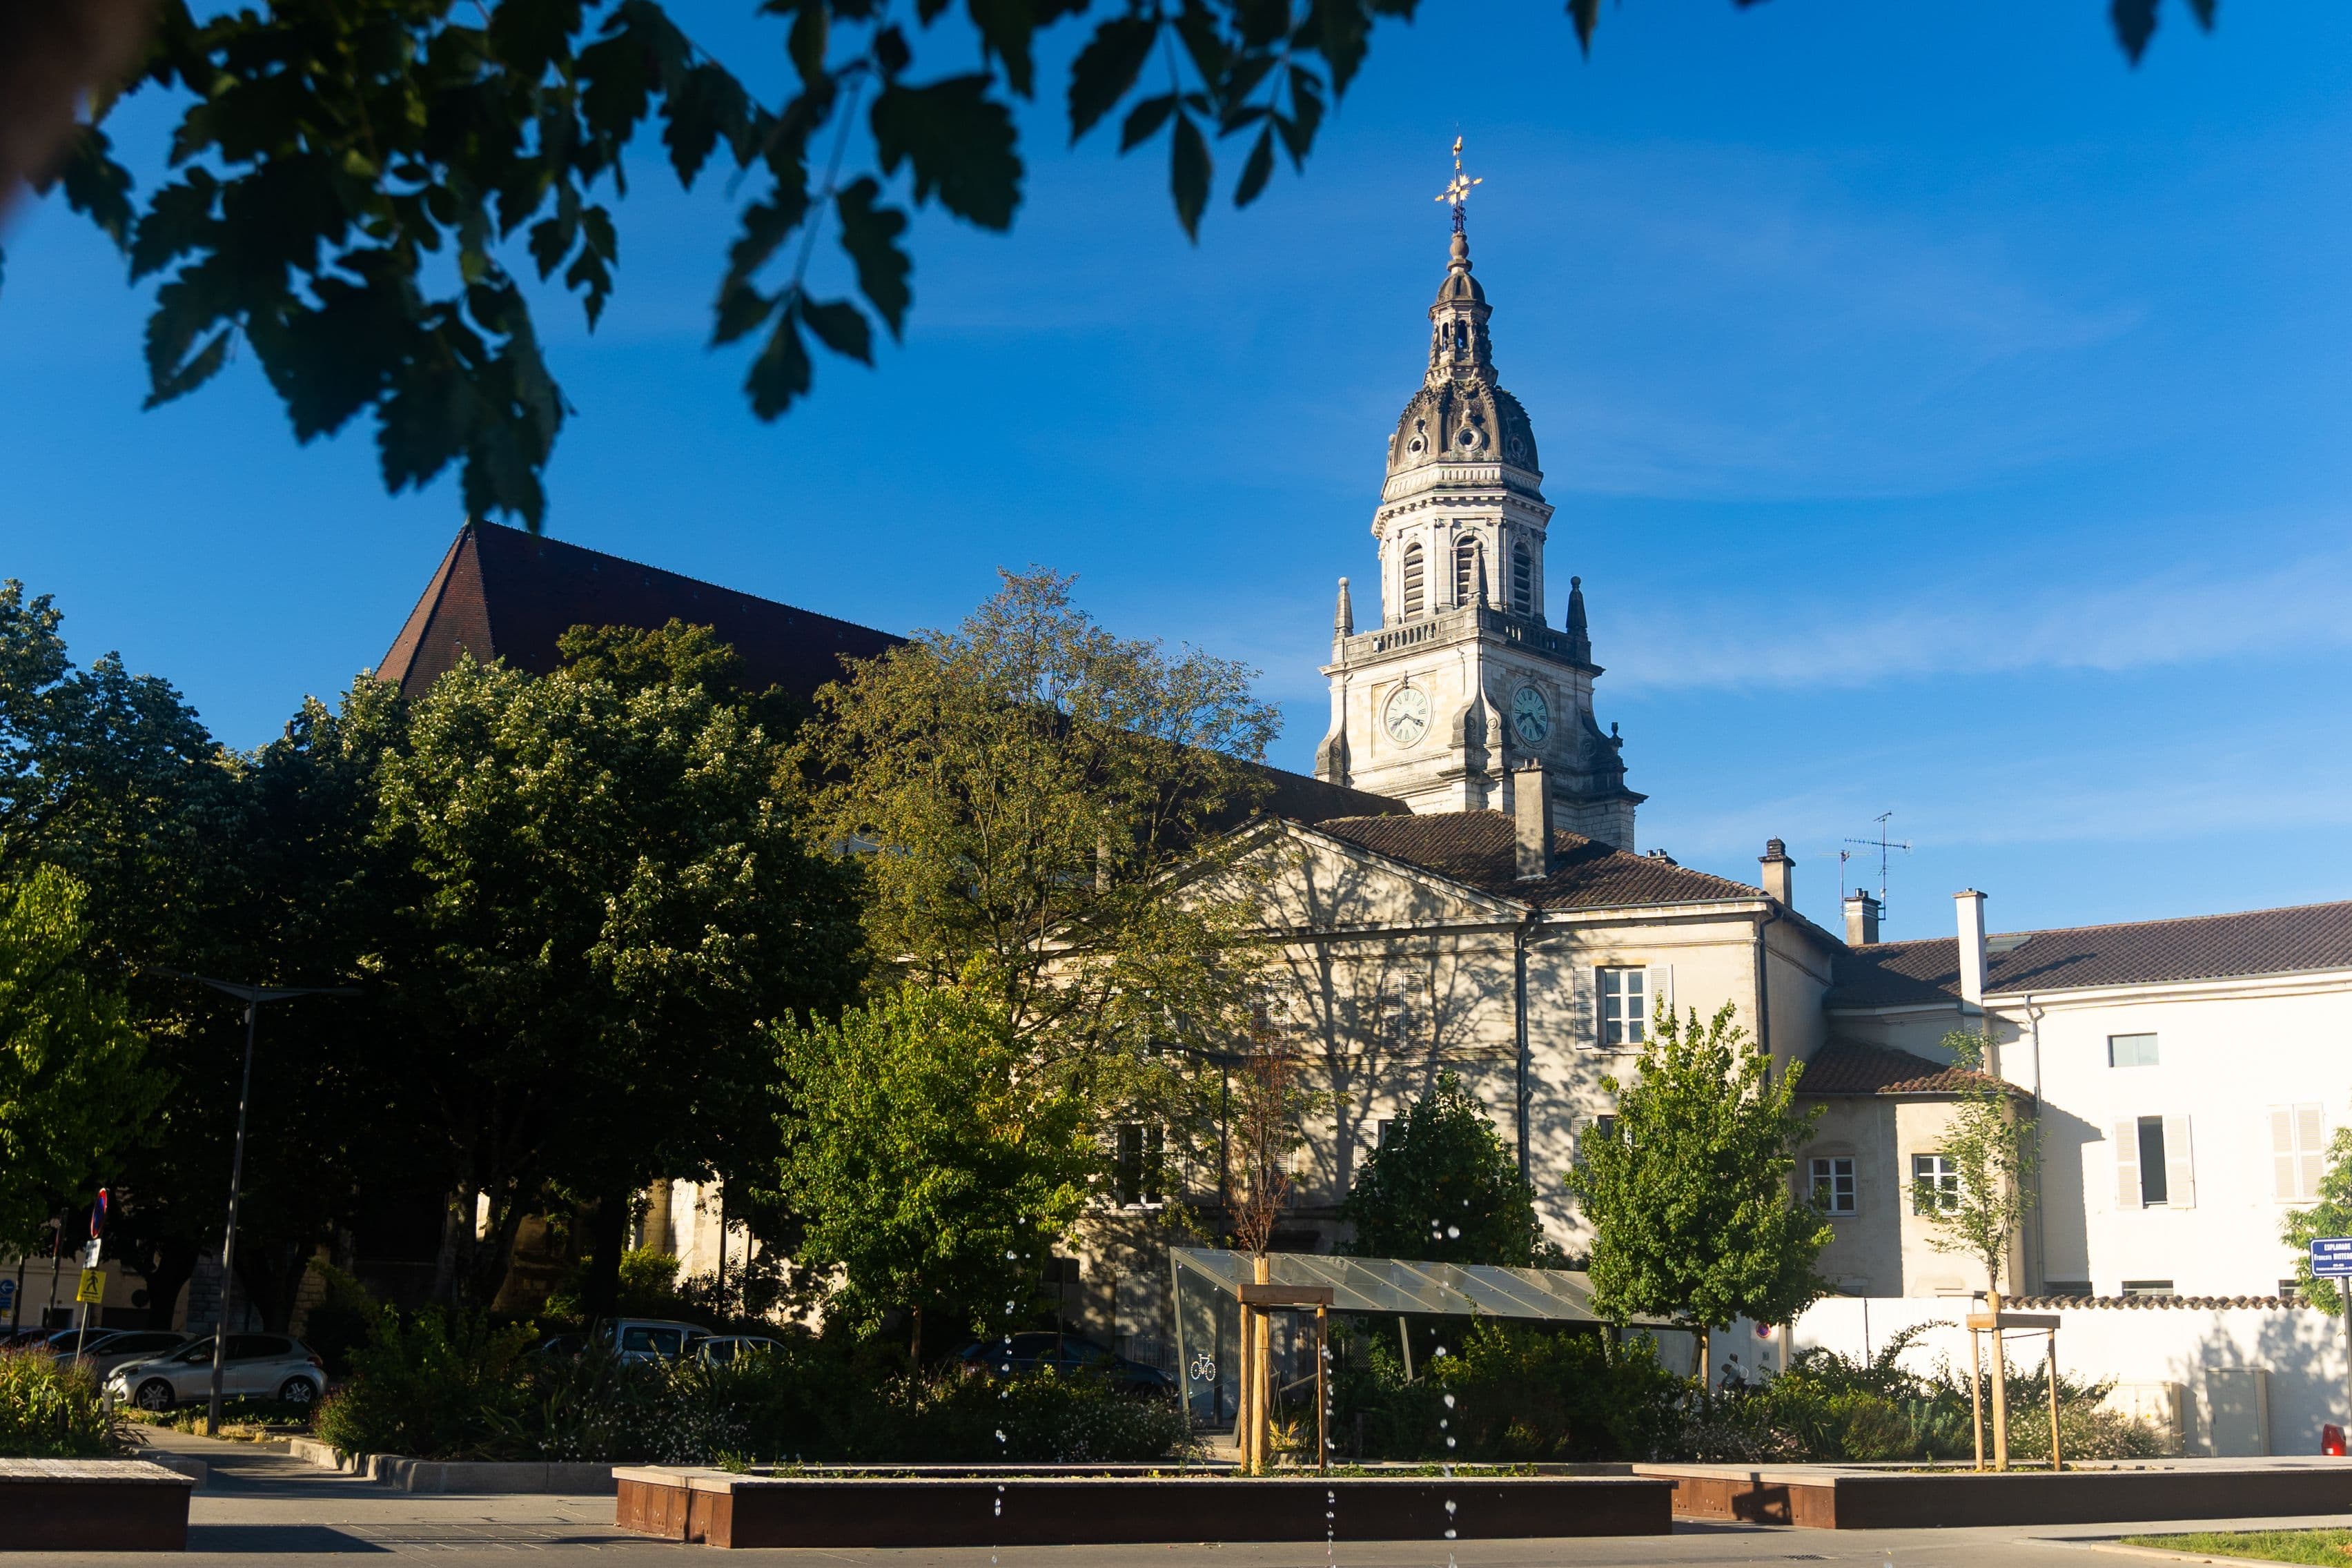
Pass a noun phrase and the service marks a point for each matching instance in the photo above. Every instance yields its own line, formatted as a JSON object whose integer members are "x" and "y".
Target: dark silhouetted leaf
{"x": 870, "y": 234}
{"x": 781, "y": 374}
{"x": 1187, "y": 173}
{"x": 1145, "y": 119}
{"x": 841, "y": 327}
{"x": 1258, "y": 170}
{"x": 1586, "y": 14}
{"x": 1105, "y": 69}
{"x": 191, "y": 373}
{"x": 960, "y": 143}
{"x": 2134, "y": 22}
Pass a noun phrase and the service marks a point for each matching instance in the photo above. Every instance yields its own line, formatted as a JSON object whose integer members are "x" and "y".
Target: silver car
{"x": 648, "y": 1338}
{"x": 115, "y": 1347}
{"x": 258, "y": 1366}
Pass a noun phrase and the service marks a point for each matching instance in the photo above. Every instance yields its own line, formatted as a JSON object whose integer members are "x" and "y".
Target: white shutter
{"x": 2126, "y": 1139}
{"x": 2283, "y": 1171}
{"x": 2180, "y": 1169}
{"x": 1661, "y": 986}
{"x": 2311, "y": 1160}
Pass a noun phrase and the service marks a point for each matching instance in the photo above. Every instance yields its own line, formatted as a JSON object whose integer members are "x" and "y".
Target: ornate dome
{"x": 1460, "y": 415}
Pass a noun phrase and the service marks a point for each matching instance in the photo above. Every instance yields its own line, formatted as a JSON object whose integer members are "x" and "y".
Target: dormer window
{"x": 1523, "y": 580}
{"x": 1413, "y": 593}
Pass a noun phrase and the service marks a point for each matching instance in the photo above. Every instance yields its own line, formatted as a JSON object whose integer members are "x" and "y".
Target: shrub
{"x": 434, "y": 1386}
{"x": 440, "y": 1388}
{"x": 53, "y": 1412}
{"x": 1511, "y": 1393}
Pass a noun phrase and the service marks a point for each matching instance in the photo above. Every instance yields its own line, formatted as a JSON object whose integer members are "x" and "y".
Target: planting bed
{"x": 93, "y": 1505}
{"x": 1830, "y": 1496}
{"x": 720, "y": 1508}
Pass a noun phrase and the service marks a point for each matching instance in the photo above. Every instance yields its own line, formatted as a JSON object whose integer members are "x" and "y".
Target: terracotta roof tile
{"x": 2200, "y": 947}
{"x": 1479, "y": 847}
{"x": 1849, "y": 1066}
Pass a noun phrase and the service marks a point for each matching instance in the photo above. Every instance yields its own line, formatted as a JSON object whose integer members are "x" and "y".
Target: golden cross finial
{"x": 1457, "y": 189}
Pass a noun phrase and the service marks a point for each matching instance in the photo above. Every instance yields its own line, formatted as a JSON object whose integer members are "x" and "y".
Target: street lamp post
{"x": 253, "y": 996}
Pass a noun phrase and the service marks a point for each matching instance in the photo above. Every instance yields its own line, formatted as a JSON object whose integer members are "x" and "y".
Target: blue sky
{"x": 1944, "y": 418}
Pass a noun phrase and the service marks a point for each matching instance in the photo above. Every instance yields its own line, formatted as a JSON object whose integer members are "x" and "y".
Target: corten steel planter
{"x": 718, "y": 1508}
{"x": 93, "y": 1505}
{"x": 1832, "y": 1496}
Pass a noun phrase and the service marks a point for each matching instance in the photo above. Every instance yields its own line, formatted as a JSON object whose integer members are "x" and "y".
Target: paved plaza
{"x": 264, "y": 1506}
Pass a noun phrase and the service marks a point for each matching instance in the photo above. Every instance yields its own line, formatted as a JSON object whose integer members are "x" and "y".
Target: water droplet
{"x": 1443, "y": 1424}
{"x": 1449, "y": 1442}
{"x": 1011, "y": 1256}
{"x": 1441, "y": 1350}
{"x": 1449, "y": 1534}
{"x": 999, "y": 1437}
{"x": 1453, "y": 1233}
{"x": 1449, "y": 1505}
{"x": 1449, "y": 1402}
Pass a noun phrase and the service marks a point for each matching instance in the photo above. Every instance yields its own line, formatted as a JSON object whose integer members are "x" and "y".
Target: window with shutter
{"x": 2180, "y": 1168}
{"x": 1412, "y": 594}
{"x": 1523, "y": 580}
{"x": 2154, "y": 1188}
{"x": 1624, "y": 995}
{"x": 2297, "y": 1160}
{"x": 2125, "y": 1137}
{"x": 1466, "y": 572}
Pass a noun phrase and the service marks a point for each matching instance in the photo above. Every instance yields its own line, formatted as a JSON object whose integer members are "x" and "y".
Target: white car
{"x": 648, "y": 1338}
{"x": 260, "y": 1366}
{"x": 111, "y": 1349}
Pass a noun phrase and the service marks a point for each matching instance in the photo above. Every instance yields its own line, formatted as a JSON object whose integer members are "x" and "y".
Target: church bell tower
{"x": 1461, "y": 684}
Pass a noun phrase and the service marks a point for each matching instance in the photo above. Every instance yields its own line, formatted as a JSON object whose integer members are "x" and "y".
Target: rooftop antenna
{"x": 1886, "y": 847}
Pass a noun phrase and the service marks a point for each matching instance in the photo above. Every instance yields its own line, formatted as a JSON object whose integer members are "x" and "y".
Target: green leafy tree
{"x": 361, "y": 189}
{"x": 932, "y": 1166}
{"x": 1995, "y": 1153}
{"x": 74, "y": 1081}
{"x": 1048, "y": 809}
{"x": 1687, "y": 1190}
{"x": 1444, "y": 1188}
{"x": 2330, "y": 1217}
{"x": 600, "y": 898}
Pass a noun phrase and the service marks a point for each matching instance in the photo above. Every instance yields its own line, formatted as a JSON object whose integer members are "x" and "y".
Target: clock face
{"x": 1408, "y": 715}
{"x": 1529, "y": 716}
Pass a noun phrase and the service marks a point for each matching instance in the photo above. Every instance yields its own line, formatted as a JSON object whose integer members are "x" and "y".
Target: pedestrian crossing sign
{"x": 92, "y": 1287}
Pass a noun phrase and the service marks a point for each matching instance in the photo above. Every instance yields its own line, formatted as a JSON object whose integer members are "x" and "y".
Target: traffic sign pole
{"x": 2331, "y": 1258}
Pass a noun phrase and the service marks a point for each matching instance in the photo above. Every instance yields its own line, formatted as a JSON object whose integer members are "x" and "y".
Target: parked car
{"x": 111, "y": 1349}
{"x": 1067, "y": 1352}
{"x": 258, "y": 1366}
{"x": 648, "y": 1338}
{"x": 722, "y": 1349}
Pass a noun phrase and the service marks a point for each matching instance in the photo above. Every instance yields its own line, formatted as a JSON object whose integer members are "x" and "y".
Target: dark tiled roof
{"x": 501, "y": 592}
{"x": 2202, "y": 947}
{"x": 1849, "y": 1066}
{"x": 1479, "y": 847}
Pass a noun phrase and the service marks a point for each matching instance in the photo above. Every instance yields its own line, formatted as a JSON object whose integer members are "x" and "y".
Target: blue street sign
{"x": 7, "y": 1294}
{"x": 2331, "y": 1257}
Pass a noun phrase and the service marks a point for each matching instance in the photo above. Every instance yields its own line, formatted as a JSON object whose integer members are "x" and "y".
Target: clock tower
{"x": 1461, "y": 685}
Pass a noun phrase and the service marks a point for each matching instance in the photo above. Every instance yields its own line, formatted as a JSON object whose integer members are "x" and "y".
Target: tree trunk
{"x": 608, "y": 1234}
{"x": 167, "y": 1267}
{"x": 915, "y": 1340}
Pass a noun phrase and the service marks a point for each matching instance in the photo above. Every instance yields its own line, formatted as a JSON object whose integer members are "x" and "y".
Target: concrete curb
{"x": 461, "y": 1475}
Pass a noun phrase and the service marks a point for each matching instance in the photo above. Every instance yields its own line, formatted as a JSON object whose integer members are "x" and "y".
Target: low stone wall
{"x": 718, "y": 1508}
{"x": 1829, "y": 1496}
{"x": 93, "y": 1505}
{"x": 476, "y": 1477}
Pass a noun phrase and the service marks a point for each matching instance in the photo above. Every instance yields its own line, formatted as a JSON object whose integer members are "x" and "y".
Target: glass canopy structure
{"x": 1207, "y": 1284}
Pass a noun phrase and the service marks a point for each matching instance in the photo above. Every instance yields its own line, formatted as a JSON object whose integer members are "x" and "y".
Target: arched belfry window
{"x": 1413, "y": 590}
{"x": 1466, "y": 571}
{"x": 1523, "y": 580}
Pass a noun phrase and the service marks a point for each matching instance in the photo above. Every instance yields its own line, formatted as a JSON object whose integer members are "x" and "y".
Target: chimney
{"x": 1776, "y": 867}
{"x": 1861, "y": 919}
{"x": 1531, "y": 812}
{"x": 1972, "y": 947}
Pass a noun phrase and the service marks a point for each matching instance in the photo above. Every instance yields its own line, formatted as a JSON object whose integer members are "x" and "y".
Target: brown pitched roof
{"x": 501, "y": 592}
{"x": 2200, "y": 947}
{"x": 1479, "y": 847}
{"x": 1849, "y": 1066}
{"x": 504, "y": 594}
